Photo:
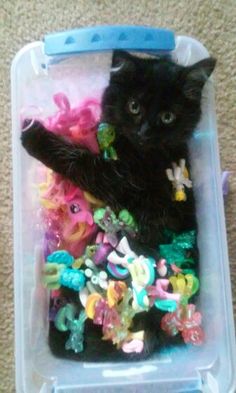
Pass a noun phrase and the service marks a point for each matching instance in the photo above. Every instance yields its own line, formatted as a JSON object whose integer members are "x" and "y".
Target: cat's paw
{"x": 30, "y": 128}
{"x": 34, "y": 136}
{"x": 27, "y": 123}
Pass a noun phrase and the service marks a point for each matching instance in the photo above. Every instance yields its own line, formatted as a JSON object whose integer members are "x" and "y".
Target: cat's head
{"x": 154, "y": 102}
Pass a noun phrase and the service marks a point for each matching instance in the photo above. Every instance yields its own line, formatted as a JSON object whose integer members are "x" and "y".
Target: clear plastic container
{"x": 72, "y": 62}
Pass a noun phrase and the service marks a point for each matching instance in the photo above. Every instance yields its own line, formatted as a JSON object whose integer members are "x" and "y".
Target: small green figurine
{"x": 67, "y": 319}
{"x": 106, "y": 219}
{"x": 106, "y": 136}
{"x": 127, "y": 220}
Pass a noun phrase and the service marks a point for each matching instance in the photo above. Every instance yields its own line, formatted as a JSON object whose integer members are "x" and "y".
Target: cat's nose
{"x": 143, "y": 129}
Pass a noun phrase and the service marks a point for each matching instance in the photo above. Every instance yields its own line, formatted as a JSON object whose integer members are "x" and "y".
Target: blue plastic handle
{"x": 102, "y": 38}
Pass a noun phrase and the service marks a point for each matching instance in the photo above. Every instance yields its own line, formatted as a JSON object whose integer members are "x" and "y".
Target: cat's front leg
{"x": 91, "y": 172}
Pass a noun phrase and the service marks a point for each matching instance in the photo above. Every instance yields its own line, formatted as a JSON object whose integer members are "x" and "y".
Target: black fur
{"x": 145, "y": 147}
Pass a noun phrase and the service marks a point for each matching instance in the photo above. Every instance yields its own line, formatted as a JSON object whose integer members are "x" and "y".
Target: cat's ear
{"x": 196, "y": 77}
{"x": 122, "y": 62}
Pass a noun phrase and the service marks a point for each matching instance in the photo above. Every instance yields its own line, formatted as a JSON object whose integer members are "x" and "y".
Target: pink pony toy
{"x": 78, "y": 124}
{"x": 77, "y": 207}
{"x": 79, "y": 224}
{"x": 67, "y": 215}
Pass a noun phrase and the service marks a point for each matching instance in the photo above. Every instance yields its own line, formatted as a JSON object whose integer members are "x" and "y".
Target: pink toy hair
{"x": 79, "y": 123}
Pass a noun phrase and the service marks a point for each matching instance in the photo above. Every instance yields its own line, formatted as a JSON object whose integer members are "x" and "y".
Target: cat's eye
{"x": 167, "y": 117}
{"x": 134, "y": 107}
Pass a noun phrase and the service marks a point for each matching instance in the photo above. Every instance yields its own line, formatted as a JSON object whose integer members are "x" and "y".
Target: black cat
{"x": 155, "y": 105}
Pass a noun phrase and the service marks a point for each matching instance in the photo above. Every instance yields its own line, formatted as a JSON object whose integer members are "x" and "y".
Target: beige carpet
{"x": 213, "y": 22}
